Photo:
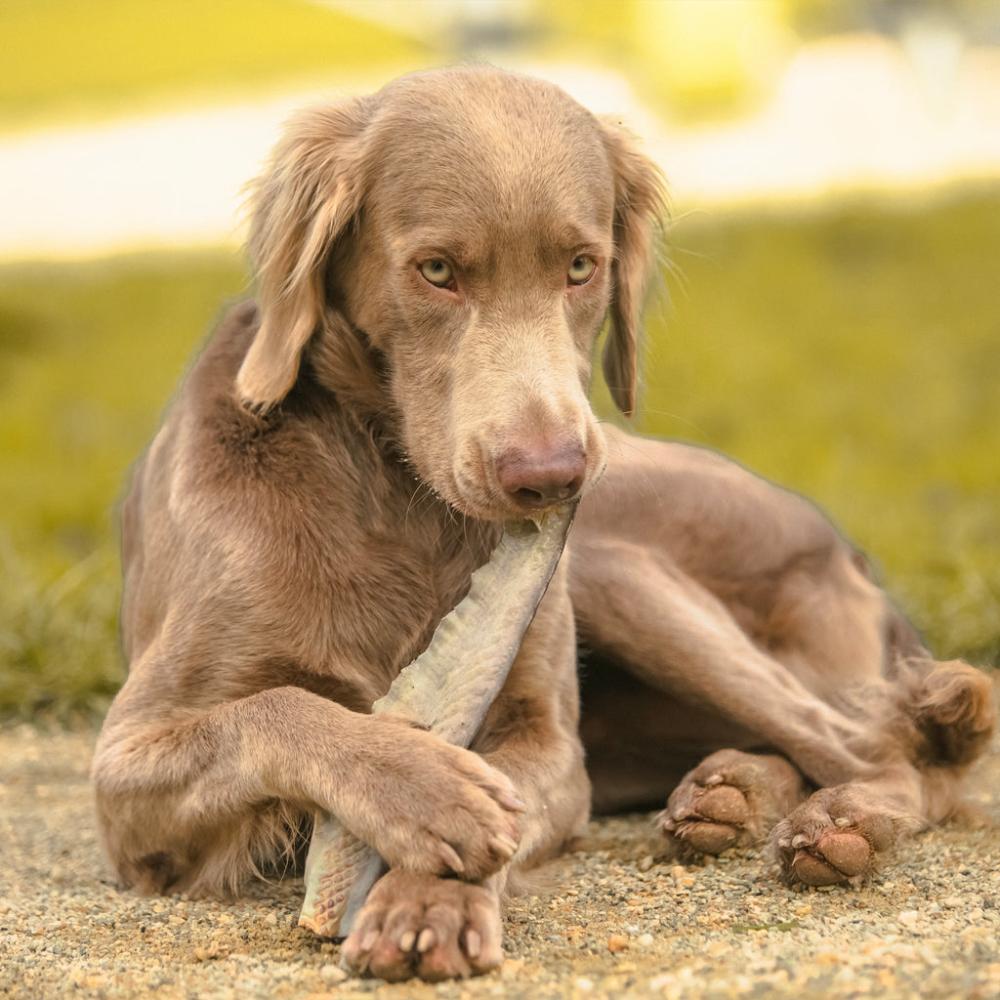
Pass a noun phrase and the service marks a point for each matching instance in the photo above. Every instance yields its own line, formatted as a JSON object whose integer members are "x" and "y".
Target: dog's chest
{"x": 384, "y": 598}
{"x": 361, "y": 561}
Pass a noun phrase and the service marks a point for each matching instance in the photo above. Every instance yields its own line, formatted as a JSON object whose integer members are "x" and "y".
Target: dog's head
{"x": 455, "y": 243}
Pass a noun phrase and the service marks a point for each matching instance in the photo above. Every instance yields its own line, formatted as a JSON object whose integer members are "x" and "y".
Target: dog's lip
{"x": 479, "y": 510}
{"x": 473, "y": 501}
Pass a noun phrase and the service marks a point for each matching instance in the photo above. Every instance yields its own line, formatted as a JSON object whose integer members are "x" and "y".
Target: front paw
{"x": 419, "y": 926}
{"x": 437, "y": 809}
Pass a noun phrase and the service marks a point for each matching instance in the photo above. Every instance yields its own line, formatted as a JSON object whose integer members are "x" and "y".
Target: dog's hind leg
{"x": 679, "y": 638}
{"x": 946, "y": 716}
{"x": 840, "y": 834}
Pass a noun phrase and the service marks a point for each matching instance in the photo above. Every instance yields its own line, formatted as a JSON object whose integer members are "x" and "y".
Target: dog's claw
{"x": 503, "y": 845}
{"x": 513, "y": 802}
{"x": 473, "y": 943}
{"x": 451, "y": 859}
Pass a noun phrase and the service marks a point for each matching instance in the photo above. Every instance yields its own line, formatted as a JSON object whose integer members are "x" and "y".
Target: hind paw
{"x": 836, "y": 837}
{"x": 706, "y": 819}
{"x": 729, "y": 800}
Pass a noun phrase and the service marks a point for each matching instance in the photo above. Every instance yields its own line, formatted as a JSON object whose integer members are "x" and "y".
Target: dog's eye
{"x": 437, "y": 272}
{"x": 581, "y": 270}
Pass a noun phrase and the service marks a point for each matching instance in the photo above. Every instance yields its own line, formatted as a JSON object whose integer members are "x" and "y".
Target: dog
{"x": 433, "y": 266}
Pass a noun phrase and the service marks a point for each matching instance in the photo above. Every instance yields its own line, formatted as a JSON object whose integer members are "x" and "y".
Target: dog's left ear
{"x": 640, "y": 208}
{"x": 307, "y": 199}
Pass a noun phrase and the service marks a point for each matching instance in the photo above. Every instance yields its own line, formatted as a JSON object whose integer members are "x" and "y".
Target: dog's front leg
{"x": 426, "y": 927}
{"x": 183, "y": 800}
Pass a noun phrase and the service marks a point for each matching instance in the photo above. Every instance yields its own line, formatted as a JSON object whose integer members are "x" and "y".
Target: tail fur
{"x": 952, "y": 709}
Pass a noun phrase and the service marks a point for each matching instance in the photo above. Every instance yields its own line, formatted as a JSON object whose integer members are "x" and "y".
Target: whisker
{"x": 687, "y": 421}
{"x": 416, "y": 499}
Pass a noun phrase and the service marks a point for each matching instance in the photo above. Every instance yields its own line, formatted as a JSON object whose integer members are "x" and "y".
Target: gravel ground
{"x": 621, "y": 920}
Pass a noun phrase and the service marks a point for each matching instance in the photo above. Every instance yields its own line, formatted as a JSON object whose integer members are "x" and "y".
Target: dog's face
{"x": 469, "y": 229}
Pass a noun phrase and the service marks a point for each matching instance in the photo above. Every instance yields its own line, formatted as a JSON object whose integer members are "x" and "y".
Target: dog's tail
{"x": 951, "y": 710}
{"x": 945, "y": 711}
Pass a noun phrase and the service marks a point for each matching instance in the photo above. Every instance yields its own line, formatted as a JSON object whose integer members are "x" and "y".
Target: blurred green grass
{"x": 852, "y": 353}
{"x": 89, "y": 356}
{"x": 70, "y": 59}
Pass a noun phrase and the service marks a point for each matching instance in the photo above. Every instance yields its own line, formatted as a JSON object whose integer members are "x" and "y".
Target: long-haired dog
{"x": 433, "y": 265}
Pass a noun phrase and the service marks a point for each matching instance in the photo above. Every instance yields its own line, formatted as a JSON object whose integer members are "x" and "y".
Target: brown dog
{"x": 433, "y": 265}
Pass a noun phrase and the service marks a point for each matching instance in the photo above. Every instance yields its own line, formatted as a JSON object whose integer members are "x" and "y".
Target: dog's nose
{"x": 539, "y": 477}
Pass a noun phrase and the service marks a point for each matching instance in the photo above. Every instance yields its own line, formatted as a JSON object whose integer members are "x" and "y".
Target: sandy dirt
{"x": 621, "y": 919}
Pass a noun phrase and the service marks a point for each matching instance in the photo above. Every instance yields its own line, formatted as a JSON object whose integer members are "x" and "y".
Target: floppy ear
{"x": 308, "y": 195}
{"x": 640, "y": 205}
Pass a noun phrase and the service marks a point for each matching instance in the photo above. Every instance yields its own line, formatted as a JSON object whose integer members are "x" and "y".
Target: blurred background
{"x": 829, "y": 315}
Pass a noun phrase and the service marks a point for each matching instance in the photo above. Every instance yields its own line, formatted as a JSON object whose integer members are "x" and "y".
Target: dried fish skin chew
{"x": 448, "y": 689}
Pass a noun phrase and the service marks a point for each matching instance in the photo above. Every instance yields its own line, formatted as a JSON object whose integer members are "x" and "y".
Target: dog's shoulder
{"x": 301, "y": 452}
{"x": 223, "y": 484}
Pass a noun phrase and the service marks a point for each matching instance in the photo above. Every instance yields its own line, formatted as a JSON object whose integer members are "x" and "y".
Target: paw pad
{"x": 837, "y": 857}
{"x": 712, "y": 821}
{"x": 724, "y": 804}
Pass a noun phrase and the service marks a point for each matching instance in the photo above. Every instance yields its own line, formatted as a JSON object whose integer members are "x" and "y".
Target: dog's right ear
{"x": 309, "y": 194}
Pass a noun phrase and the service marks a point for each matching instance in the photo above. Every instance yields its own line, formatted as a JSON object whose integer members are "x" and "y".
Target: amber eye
{"x": 437, "y": 271}
{"x": 581, "y": 270}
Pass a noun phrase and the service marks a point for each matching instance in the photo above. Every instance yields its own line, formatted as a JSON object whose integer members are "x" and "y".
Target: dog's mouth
{"x": 482, "y": 498}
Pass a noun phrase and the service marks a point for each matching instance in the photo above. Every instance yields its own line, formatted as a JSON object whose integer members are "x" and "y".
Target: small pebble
{"x": 617, "y": 942}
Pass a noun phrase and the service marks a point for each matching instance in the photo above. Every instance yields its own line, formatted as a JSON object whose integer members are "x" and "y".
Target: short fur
{"x": 326, "y": 481}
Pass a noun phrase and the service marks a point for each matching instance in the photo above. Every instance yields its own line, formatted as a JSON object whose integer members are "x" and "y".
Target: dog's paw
{"x": 730, "y": 799}
{"x": 838, "y": 836}
{"x": 433, "y": 808}
{"x": 418, "y": 926}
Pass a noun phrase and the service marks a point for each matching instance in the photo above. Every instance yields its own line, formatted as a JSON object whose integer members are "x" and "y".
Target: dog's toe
{"x": 835, "y": 858}
{"x": 724, "y": 804}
